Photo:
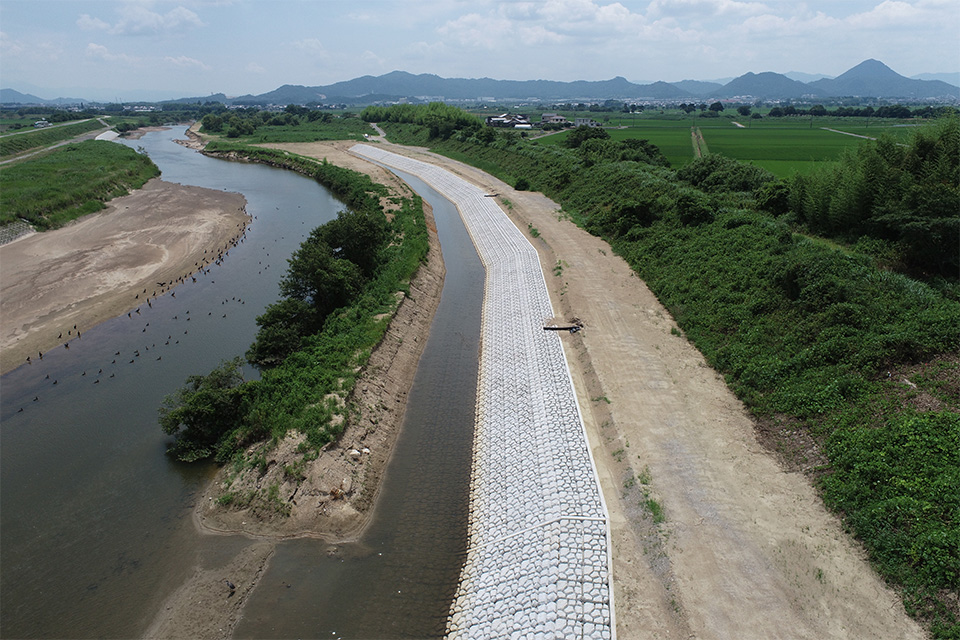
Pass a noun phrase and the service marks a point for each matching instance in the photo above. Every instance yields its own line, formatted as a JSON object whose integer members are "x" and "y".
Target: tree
{"x": 583, "y": 133}
{"x": 205, "y": 410}
{"x": 716, "y": 106}
{"x": 317, "y": 276}
{"x": 282, "y": 327}
{"x": 212, "y": 122}
{"x": 357, "y": 236}
{"x": 743, "y": 110}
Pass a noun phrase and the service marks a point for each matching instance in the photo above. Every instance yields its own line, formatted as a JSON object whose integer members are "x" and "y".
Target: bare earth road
{"x": 745, "y": 549}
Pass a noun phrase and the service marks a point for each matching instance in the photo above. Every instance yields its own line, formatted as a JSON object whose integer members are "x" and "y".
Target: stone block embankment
{"x": 538, "y": 559}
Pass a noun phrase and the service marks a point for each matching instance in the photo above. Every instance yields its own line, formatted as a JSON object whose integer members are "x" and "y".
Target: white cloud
{"x": 705, "y": 8}
{"x": 253, "y": 67}
{"x": 889, "y": 13}
{"x": 137, "y": 18}
{"x": 186, "y": 62}
{"x": 88, "y": 23}
{"x": 370, "y": 56}
{"x": 475, "y": 30}
{"x": 10, "y": 47}
{"x": 100, "y": 52}
{"x": 311, "y": 46}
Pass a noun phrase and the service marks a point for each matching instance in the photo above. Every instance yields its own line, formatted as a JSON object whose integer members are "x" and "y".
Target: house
{"x": 511, "y": 121}
{"x": 585, "y": 122}
{"x": 552, "y": 118}
{"x": 41, "y": 123}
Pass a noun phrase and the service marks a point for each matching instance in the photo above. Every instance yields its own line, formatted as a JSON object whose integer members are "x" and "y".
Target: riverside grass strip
{"x": 69, "y": 182}
{"x": 538, "y": 549}
{"x": 14, "y": 143}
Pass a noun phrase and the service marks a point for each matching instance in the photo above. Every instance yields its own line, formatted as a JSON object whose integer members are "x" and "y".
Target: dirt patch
{"x": 205, "y": 606}
{"x": 712, "y": 537}
{"x": 56, "y": 283}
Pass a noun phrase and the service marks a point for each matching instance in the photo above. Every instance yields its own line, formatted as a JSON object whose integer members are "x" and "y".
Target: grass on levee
{"x": 336, "y": 129}
{"x": 54, "y": 188}
{"x": 14, "y": 143}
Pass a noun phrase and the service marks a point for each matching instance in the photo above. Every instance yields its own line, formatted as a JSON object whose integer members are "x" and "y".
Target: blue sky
{"x": 131, "y": 49}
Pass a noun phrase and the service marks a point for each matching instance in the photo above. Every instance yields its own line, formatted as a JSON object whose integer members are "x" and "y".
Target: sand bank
{"x": 98, "y": 267}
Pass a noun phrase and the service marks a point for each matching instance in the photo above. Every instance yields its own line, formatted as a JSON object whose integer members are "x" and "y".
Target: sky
{"x": 159, "y": 49}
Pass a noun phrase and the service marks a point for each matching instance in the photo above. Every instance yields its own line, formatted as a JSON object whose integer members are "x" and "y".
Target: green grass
{"x": 51, "y": 189}
{"x": 782, "y": 146}
{"x": 14, "y": 143}
{"x": 336, "y": 129}
{"x": 672, "y": 137}
{"x": 780, "y": 151}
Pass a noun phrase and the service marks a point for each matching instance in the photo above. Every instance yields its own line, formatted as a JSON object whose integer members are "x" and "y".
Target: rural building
{"x": 585, "y": 122}
{"x": 552, "y": 118}
{"x": 40, "y": 124}
{"x": 512, "y": 121}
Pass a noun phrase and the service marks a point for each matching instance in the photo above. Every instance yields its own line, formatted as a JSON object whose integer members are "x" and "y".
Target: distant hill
{"x": 697, "y": 87}
{"x": 949, "y": 78}
{"x": 402, "y": 85}
{"x": 762, "y": 85}
{"x": 870, "y": 78}
{"x": 875, "y": 79}
{"x": 799, "y": 76}
{"x": 12, "y": 96}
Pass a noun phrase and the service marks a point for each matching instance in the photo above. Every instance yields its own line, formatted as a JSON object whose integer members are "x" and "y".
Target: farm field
{"x": 782, "y": 146}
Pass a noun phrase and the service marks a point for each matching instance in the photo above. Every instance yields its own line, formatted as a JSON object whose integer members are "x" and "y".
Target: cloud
{"x": 704, "y": 8}
{"x": 88, "y": 23}
{"x": 185, "y": 62}
{"x": 100, "y": 52}
{"x": 479, "y": 31}
{"x": 311, "y": 47}
{"x": 10, "y": 47}
{"x": 136, "y": 19}
{"x": 30, "y": 51}
{"x": 253, "y": 67}
{"x": 889, "y": 13}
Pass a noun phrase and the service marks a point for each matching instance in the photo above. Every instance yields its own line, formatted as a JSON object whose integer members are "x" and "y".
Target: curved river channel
{"x": 95, "y": 525}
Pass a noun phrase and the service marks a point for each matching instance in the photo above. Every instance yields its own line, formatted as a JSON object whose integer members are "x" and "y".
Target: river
{"x": 95, "y": 520}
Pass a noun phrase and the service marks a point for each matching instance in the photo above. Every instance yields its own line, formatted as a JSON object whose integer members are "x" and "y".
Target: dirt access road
{"x": 745, "y": 549}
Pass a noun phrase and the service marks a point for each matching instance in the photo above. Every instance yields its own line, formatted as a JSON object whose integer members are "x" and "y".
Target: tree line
{"x": 337, "y": 297}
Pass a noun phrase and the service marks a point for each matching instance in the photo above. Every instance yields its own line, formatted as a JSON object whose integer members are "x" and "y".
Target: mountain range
{"x": 870, "y": 78}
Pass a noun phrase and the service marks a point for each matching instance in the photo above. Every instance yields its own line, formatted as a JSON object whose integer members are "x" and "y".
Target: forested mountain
{"x": 873, "y": 78}
{"x": 765, "y": 84}
{"x": 400, "y": 84}
{"x": 12, "y": 96}
{"x": 697, "y": 87}
{"x": 870, "y": 78}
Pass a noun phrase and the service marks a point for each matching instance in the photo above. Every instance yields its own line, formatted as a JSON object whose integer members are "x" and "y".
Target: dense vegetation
{"x": 339, "y": 293}
{"x": 821, "y": 343}
{"x": 51, "y": 189}
{"x": 294, "y": 124}
{"x": 14, "y": 143}
{"x": 903, "y": 199}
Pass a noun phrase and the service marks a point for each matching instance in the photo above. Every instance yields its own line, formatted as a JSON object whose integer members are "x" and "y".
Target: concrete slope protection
{"x": 538, "y": 559}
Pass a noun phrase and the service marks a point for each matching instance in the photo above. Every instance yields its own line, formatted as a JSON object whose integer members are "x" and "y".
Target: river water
{"x": 95, "y": 519}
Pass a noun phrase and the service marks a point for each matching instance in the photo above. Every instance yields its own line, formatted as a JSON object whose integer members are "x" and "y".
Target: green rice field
{"x": 783, "y": 146}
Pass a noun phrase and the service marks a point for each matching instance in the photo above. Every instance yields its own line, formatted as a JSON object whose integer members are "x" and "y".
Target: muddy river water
{"x": 95, "y": 520}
